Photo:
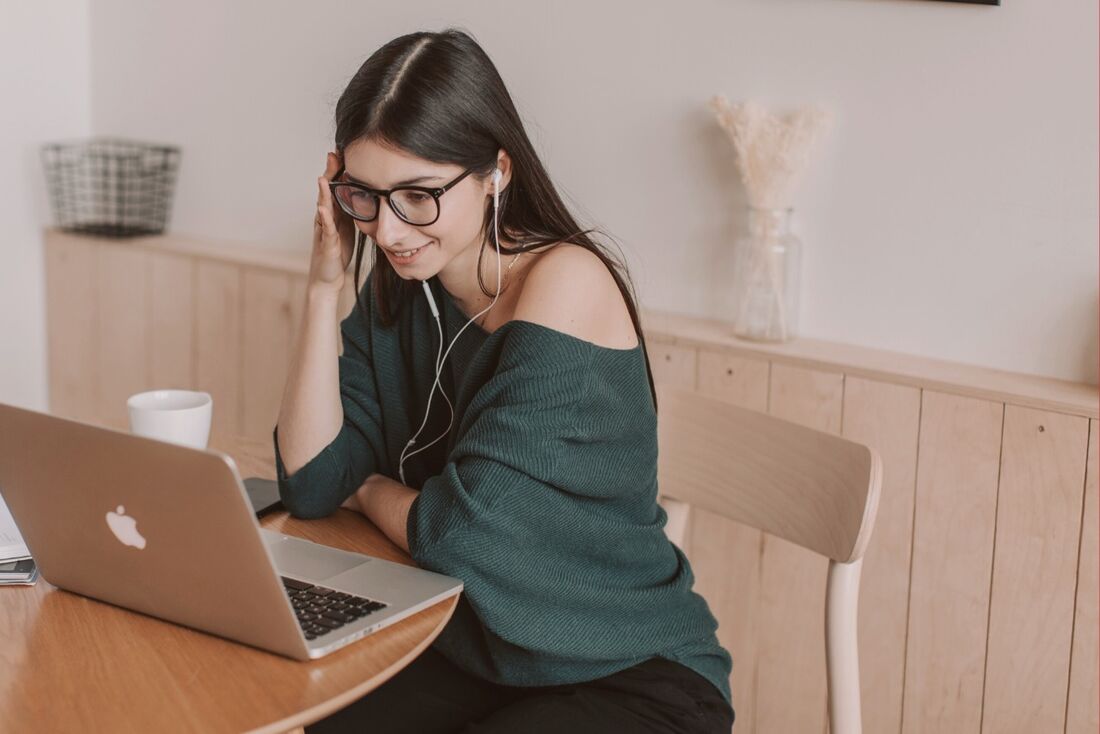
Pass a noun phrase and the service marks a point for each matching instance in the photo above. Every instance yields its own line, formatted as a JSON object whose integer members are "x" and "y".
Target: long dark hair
{"x": 438, "y": 96}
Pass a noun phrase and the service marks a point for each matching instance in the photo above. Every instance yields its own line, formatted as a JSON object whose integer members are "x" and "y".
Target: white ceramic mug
{"x": 176, "y": 416}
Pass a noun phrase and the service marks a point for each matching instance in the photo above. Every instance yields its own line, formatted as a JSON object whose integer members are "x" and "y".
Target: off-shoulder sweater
{"x": 541, "y": 498}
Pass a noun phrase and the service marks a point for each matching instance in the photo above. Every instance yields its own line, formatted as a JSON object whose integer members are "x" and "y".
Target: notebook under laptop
{"x": 169, "y": 531}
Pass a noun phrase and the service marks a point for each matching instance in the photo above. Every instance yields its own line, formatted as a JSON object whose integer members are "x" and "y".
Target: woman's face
{"x": 453, "y": 238}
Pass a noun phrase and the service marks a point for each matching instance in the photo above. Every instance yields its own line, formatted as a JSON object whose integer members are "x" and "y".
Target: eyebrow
{"x": 407, "y": 182}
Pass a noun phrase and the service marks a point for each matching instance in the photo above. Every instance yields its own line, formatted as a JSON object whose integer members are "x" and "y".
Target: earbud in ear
{"x": 497, "y": 175}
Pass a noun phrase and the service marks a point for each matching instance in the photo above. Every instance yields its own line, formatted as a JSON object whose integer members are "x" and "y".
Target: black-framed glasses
{"x": 417, "y": 205}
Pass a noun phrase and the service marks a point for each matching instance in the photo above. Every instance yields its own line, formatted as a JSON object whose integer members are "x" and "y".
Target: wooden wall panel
{"x": 671, "y": 364}
{"x": 726, "y": 555}
{"x": 1034, "y": 566}
{"x": 72, "y": 308}
{"x": 218, "y": 351}
{"x": 725, "y": 558}
{"x": 963, "y": 627}
{"x": 791, "y": 686}
{"x": 956, "y": 503}
{"x": 887, "y": 418}
{"x": 266, "y": 339}
{"x": 1083, "y": 706}
{"x": 740, "y": 380}
{"x": 122, "y": 362}
{"x": 171, "y": 321}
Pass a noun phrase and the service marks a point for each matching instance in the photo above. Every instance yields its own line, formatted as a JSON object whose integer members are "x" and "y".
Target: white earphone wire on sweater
{"x": 440, "y": 360}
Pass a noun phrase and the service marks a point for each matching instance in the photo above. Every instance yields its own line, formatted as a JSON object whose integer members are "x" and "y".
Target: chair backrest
{"x": 813, "y": 488}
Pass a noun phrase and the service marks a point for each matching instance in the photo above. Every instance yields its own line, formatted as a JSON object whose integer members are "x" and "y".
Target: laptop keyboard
{"x": 322, "y": 610}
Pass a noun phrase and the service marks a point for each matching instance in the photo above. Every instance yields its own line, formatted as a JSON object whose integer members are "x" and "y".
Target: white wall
{"x": 45, "y": 85}
{"x": 952, "y": 214}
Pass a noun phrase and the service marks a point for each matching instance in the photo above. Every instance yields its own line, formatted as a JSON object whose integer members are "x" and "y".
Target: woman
{"x": 531, "y": 475}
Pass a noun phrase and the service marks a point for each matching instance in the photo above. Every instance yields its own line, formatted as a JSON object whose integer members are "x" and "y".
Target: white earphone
{"x": 442, "y": 356}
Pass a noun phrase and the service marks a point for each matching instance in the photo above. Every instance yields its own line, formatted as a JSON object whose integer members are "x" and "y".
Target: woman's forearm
{"x": 311, "y": 413}
{"x": 386, "y": 503}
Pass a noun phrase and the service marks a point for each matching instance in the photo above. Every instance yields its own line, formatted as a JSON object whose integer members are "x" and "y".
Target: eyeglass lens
{"x": 415, "y": 207}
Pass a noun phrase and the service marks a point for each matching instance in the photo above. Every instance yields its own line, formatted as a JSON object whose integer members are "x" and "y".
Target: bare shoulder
{"x": 569, "y": 289}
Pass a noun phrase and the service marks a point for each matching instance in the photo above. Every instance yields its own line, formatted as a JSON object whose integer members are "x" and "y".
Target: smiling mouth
{"x": 406, "y": 254}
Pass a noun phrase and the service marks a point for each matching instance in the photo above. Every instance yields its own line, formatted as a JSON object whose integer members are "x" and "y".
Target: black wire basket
{"x": 111, "y": 187}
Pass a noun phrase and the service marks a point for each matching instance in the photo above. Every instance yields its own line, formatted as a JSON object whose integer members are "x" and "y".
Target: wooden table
{"x": 68, "y": 663}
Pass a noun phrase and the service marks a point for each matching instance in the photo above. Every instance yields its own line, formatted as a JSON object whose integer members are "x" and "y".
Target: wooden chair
{"x": 812, "y": 488}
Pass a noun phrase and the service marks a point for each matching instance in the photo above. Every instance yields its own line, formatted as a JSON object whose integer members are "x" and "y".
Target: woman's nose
{"x": 389, "y": 228}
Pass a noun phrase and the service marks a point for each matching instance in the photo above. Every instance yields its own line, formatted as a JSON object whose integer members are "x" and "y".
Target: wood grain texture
{"x": 266, "y": 338}
{"x": 886, "y": 417}
{"x": 812, "y": 488}
{"x": 171, "y": 321}
{"x": 1043, "y": 459}
{"x": 954, "y": 499}
{"x": 70, "y": 663}
{"x": 672, "y": 365}
{"x": 72, "y": 313}
{"x": 742, "y": 381}
{"x": 218, "y": 336}
{"x": 233, "y": 252}
{"x": 815, "y": 489}
{"x": 678, "y": 522}
{"x": 791, "y": 640}
{"x": 122, "y": 336}
{"x": 726, "y": 555}
{"x": 956, "y": 505}
{"x": 1083, "y": 704}
{"x": 1044, "y": 393}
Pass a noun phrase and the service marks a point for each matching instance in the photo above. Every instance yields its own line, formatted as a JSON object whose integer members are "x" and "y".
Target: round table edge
{"x": 334, "y": 704}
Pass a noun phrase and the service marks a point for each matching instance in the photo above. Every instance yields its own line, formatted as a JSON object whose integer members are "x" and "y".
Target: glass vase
{"x": 767, "y": 263}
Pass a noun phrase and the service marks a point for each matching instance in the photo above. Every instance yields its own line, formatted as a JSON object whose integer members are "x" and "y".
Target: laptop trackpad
{"x": 312, "y": 561}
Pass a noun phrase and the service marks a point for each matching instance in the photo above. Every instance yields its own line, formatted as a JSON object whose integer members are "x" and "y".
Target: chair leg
{"x": 841, "y": 647}
{"x": 679, "y": 513}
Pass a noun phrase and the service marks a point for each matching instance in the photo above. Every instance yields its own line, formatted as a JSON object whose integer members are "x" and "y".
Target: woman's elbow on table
{"x": 304, "y": 503}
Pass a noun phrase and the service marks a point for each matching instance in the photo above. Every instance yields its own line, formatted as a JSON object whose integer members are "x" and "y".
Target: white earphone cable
{"x": 440, "y": 361}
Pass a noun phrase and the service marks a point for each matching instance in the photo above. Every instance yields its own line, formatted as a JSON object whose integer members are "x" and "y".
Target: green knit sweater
{"x": 541, "y": 498}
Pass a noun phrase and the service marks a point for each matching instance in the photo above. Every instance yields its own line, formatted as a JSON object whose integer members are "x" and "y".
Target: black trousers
{"x": 431, "y": 695}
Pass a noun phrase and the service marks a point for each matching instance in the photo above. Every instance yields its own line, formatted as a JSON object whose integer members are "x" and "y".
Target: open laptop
{"x": 169, "y": 531}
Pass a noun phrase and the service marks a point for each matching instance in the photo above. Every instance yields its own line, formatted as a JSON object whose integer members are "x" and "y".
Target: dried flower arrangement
{"x": 772, "y": 156}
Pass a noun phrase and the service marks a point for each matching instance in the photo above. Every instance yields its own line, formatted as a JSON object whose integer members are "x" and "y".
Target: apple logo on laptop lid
{"x": 125, "y": 528}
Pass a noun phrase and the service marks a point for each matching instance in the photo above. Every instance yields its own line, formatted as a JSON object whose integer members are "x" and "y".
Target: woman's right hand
{"x": 333, "y": 235}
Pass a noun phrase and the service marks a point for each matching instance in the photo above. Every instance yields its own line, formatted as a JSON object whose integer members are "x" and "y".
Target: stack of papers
{"x": 16, "y": 564}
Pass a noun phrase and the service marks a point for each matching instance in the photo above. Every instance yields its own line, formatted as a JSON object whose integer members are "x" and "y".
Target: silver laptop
{"x": 169, "y": 531}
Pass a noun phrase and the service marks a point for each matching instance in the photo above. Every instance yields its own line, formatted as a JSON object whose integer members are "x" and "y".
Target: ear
{"x": 504, "y": 163}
